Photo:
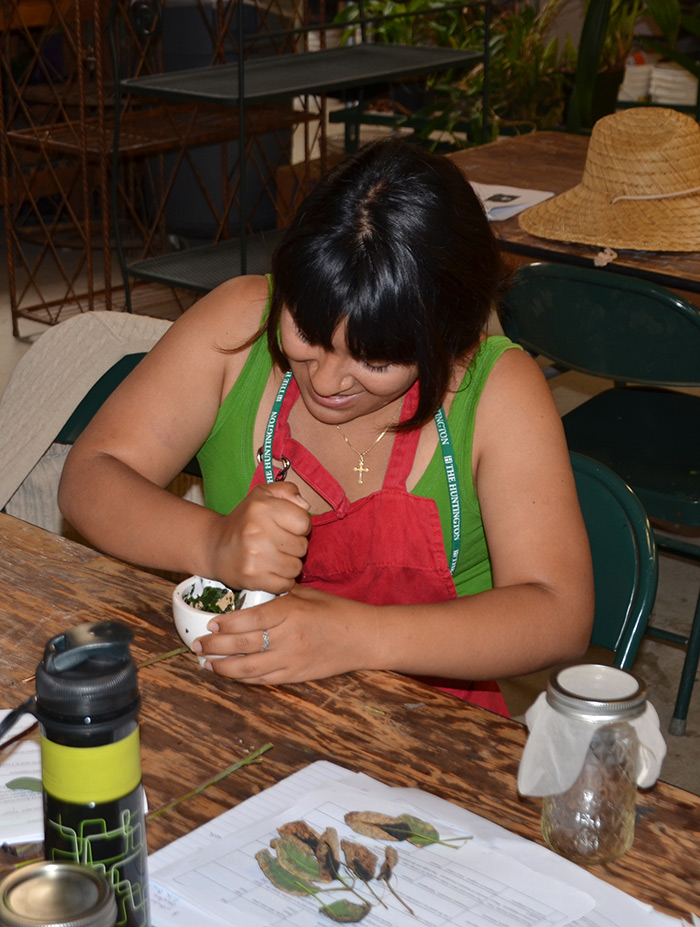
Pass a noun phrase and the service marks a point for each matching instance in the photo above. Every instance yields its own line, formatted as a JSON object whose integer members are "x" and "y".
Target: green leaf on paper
{"x": 282, "y": 879}
{"x": 423, "y": 834}
{"x": 26, "y": 783}
{"x": 298, "y": 859}
{"x": 306, "y": 861}
{"x": 346, "y": 912}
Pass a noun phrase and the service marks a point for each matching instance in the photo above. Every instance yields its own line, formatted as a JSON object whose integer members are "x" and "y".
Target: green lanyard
{"x": 265, "y": 455}
{"x": 452, "y": 484}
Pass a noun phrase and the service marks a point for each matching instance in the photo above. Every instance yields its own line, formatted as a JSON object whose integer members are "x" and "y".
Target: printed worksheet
{"x": 458, "y": 881}
{"x": 613, "y": 908}
{"x": 21, "y": 812}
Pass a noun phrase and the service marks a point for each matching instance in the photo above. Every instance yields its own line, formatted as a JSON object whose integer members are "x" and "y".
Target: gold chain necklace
{"x": 361, "y": 469}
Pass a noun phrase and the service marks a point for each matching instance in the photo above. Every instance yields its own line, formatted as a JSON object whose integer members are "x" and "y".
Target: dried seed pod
{"x": 391, "y": 859}
{"x": 361, "y": 860}
{"x": 328, "y": 855}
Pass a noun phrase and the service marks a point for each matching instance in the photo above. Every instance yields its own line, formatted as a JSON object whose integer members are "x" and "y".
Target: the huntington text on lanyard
{"x": 444, "y": 438}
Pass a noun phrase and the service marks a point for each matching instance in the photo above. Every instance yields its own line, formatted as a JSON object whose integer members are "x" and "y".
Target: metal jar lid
{"x": 56, "y": 895}
{"x": 593, "y": 692}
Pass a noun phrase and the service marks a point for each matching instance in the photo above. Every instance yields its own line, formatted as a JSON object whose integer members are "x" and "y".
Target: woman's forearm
{"x": 126, "y": 515}
{"x": 503, "y": 632}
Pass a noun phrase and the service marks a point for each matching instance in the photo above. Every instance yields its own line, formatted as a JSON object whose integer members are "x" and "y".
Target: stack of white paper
{"x": 21, "y": 811}
{"x": 211, "y": 877}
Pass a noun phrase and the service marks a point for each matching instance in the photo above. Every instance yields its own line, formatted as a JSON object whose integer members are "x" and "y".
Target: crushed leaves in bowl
{"x": 216, "y": 599}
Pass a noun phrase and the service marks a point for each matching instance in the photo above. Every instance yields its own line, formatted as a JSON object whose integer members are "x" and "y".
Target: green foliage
{"x": 607, "y": 39}
{"x": 623, "y": 19}
{"x": 418, "y": 22}
{"x": 527, "y": 77}
{"x": 527, "y": 67}
{"x": 674, "y": 19}
{"x": 531, "y": 75}
{"x": 618, "y": 34}
{"x": 216, "y": 600}
{"x": 598, "y": 30}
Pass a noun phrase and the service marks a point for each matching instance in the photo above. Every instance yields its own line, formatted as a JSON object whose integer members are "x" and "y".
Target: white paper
{"x": 167, "y": 908}
{"x": 502, "y": 202}
{"x": 21, "y": 811}
{"x": 613, "y": 908}
{"x": 465, "y": 884}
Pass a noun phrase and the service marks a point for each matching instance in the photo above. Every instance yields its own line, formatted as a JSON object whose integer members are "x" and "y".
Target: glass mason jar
{"x": 593, "y": 821}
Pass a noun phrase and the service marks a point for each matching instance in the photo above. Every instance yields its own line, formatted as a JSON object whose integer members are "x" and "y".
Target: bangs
{"x": 395, "y": 242}
{"x": 380, "y": 301}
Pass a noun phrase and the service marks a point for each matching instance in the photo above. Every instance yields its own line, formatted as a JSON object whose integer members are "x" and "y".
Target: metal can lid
{"x": 49, "y": 894}
{"x": 596, "y": 692}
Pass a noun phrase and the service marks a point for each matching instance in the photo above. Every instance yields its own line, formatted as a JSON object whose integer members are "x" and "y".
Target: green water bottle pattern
{"x": 87, "y": 704}
{"x": 89, "y": 819}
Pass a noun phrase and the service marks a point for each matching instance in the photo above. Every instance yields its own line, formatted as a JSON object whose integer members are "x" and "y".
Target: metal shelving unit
{"x": 245, "y": 84}
{"x": 84, "y": 171}
{"x": 99, "y": 127}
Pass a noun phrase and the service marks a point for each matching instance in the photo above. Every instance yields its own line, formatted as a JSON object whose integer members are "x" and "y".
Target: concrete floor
{"x": 658, "y": 664}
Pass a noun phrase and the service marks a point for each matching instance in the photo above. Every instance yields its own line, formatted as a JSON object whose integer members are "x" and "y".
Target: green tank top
{"x": 228, "y": 456}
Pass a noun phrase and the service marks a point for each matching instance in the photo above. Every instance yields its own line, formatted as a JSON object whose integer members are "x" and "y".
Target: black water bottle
{"x": 87, "y": 701}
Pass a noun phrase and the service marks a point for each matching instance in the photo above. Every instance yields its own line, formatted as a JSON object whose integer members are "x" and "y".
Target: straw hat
{"x": 640, "y": 188}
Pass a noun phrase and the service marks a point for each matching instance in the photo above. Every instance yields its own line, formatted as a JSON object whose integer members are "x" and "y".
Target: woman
{"x": 365, "y": 449}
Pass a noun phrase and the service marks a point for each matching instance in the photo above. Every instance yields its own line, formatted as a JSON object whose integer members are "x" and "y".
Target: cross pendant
{"x": 361, "y": 469}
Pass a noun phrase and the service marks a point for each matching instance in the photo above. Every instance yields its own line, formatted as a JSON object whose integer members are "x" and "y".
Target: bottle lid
{"x": 597, "y": 693}
{"x": 57, "y": 895}
{"x": 87, "y": 676}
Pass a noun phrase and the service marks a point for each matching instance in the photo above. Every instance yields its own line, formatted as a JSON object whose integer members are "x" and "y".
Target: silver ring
{"x": 266, "y": 641}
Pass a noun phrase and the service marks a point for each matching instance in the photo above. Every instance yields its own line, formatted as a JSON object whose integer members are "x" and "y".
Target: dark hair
{"x": 394, "y": 240}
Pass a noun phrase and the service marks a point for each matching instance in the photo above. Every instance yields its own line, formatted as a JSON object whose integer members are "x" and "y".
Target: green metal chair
{"x": 625, "y": 565}
{"x": 647, "y": 341}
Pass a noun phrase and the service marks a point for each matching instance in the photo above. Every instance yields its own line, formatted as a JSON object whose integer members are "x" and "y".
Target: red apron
{"x": 384, "y": 549}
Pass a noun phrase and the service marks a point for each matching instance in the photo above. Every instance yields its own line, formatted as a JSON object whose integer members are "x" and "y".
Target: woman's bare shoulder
{"x": 515, "y": 370}
{"x": 229, "y": 315}
{"x": 516, "y": 405}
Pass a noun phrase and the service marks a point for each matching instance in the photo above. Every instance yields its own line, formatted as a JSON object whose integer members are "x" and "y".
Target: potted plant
{"x": 607, "y": 39}
{"x": 526, "y": 72}
{"x": 526, "y": 69}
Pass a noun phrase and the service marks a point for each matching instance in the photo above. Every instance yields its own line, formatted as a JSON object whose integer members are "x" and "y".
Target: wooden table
{"x": 398, "y": 730}
{"x": 555, "y": 161}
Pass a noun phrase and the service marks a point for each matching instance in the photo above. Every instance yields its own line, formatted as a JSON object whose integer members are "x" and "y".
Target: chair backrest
{"x": 96, "y": 395}
{"x": 625, "y": 565}
{"x": 604, "y": 324}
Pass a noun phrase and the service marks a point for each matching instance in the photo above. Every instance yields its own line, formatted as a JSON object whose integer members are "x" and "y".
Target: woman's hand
{"x": 310, "y": 635}
{"x": 262, "y": 542}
